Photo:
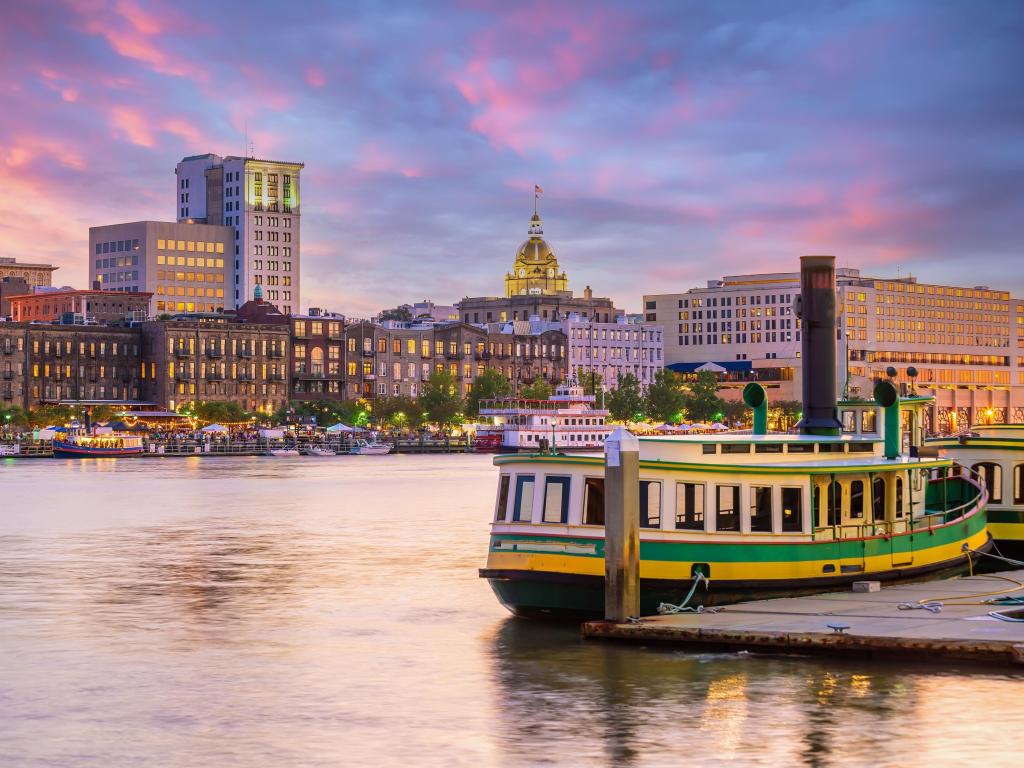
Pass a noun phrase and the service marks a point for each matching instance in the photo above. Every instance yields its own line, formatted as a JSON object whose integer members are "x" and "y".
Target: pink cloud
{"x": 315, "y": 77}
{"x": 130, "y": 124}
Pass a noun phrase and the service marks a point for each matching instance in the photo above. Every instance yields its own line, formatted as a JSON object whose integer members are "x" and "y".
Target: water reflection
{"x": 239, "y": 612}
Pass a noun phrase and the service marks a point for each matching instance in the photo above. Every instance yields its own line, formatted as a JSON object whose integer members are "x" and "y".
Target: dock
{"x": 870, "y": 624}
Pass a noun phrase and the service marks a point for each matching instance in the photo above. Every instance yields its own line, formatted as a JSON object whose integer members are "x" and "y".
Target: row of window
{"x": 993, "y": 476}
{"x": 689, "y": 513}
{"x": 117, "y": 246}
{"x": 198, "y": 246}
{"x": 190, "y": 261}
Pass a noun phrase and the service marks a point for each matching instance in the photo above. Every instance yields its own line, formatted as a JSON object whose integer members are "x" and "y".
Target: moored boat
{"x": 366, "y": 448}
{"x": 318, "y": 450}
{"x": 748, "y": 516}
{"x": 110, "y": 445}
{"x": 283, "y": 452}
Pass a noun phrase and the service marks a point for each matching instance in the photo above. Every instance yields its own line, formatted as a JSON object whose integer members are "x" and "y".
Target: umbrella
{"x": 665, "y": 428}
{"x": 219, "y": 429}
{"x": 719, "y": 427}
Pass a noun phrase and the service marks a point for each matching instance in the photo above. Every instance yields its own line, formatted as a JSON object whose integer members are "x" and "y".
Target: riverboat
{"x": 996, "y": 453}
{"x": 567, "y": 419}
{"x": 745, "y": 516}
{"x": 110, "y": 445}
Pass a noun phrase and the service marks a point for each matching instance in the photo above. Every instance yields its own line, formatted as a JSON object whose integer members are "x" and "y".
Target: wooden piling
{"x": 622, "y": 526}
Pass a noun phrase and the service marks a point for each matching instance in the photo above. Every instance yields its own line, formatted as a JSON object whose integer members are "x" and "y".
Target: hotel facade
{"x": 966, "y": 343}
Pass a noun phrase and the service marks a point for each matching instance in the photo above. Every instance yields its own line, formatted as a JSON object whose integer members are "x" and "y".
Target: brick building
{"x": 90, "y": 305}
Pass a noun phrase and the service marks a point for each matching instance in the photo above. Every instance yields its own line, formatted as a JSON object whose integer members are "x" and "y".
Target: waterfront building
{"x": 966, "y": 343}
{"x": 536, "y": 287}
{"x": 522, "y": 350}
{"x": 215, "y": 357}
{"x": 75, "y": 306}
{"x": 34, "y": 275}
{"x": 11, "y": 286}
{"x": 42, "y": 363}
{"x": 259, "y": 200}
{"x": 317, "y": 364}
{"x": 627, "y": 346}
{"x": 185, "y": 265}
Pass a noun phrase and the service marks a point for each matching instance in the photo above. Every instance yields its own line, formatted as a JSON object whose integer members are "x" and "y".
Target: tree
{"x": 701, "y": 400}
{"x": 402, "y": 314}
{"x": 626, "y": 401}
{"x": 14, "y": 417}
{"x": 736, "y": 411}
{"x": 590, "y": 381}
{"x": 488, "y": 385}
{"x": 440, "y": 400}
{"x": 538, "y": 389}
{"x": 55, "y": 415}
{"x": 394, "y": 411}
{"x": 211, "y": 411}
{"x": 664, "y": 399}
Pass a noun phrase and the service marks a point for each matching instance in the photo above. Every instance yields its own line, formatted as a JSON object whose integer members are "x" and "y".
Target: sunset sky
{"x": 675, "y": 141}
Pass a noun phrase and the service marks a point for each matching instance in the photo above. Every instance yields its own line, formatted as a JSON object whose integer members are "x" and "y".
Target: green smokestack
{"x": 887, "y": 397}
{"x": 755, "y": 397}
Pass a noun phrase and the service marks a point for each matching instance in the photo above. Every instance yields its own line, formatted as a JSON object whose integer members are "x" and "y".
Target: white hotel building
{"x": 614, "y": 349}
{"x": 259, "y": 199}
{"x": 967, "y": 344}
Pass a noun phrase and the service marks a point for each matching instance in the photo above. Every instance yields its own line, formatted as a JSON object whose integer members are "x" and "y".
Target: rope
{"x": 667, "y": 608}
{"x": 935, "y": 604}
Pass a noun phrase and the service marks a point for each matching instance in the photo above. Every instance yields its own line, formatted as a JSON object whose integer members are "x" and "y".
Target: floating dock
{"x": 854, "y": 623}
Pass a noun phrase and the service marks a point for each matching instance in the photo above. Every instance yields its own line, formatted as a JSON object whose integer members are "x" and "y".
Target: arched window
{"x": 878, "y": 498}
{"x": 993, "y": 474}
{"x": 317, "y": 360}
{"x": 899, "y": 496}
{"x": 1018, "y": 484}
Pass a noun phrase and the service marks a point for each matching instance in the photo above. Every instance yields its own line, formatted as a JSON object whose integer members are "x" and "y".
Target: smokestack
{"x": 817, "y": 313}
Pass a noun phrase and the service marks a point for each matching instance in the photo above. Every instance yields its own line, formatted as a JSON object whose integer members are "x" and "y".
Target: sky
{"x": 675, "y": 141}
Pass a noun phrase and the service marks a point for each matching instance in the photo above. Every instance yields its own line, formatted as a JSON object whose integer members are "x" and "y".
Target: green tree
{"x": 701, "y": 401}
{"x": 52, "y": 415}
{"x": 591, "y": 381}
{"x": 626, "y": 401}
{"x": 490, "y": 384}
{"x": 211, "y": 411}
{"x": 737, "y": 411}
{"x": 538, "y": 389}
{"x": 401, "y": 314}
{"x": 664, "y": 400}
{"x": 440, "y": 400}
{"x": 394, "y": 411}
{"x": 14, "y": 418}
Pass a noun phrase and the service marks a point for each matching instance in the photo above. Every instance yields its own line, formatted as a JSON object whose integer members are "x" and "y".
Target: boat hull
{"x": 1007, "y": 529}
{"x": 72, "y": 451}
{"x": 542, "y": 576}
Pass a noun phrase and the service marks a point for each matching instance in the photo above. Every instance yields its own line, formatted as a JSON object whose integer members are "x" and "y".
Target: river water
{"x": 307, "y": 612}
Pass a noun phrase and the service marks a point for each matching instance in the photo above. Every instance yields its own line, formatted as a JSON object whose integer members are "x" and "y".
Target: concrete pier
{"x": 853, "y": 623}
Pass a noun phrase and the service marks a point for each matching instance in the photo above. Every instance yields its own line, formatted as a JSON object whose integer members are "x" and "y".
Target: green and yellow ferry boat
{"x": 757, "y": 515}
{"x": 996, "y": 453}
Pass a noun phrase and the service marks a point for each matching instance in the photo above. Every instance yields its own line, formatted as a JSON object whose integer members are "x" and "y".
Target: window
{"x": 523, "y": 510}
{"x": 993, "y": 474}
{"x": 849, "y": 421}
{"x": 728, "y": 497}
{"x": 690, "y": 506}
{"x": 593, "y": 501}
{"x": 867, "y": 422}
{"x": 1018, "y": 484}
{"x": 899, "y": 497}
{"x": 878, "y": 499}
{"x": 792, "y": 511}
{"x": 556, "y": 500}
{"x": 503, "y": 486}
{"x": 857, "y": 499}
{"x": 650, "y": 504}
{"x": 761, "y": 509}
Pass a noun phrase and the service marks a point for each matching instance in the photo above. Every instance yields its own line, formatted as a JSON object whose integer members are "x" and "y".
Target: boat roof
{"x": 779, "y": 437}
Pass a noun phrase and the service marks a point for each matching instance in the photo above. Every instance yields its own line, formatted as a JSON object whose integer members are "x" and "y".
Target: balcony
{"x": 368, "y": 353}
{"x": 180, "y": 352}
{"x": 214, "y": 353}
{"x": 8, "y": 375}
{"x": 214, "y": 376}
{"x": 305, "y": 375}
{"x": 179, "y": 376}
{"x": 246, "y": 377}
{"x": 275, "y": 353}
{"x": 7, "y": 350}
{"x": 8, "y": 394}
{"x": 245, "y": 353}
{"x": 277, "y": 376}
{"x": 483, "y": 355}
{"x": 453, "y": 356}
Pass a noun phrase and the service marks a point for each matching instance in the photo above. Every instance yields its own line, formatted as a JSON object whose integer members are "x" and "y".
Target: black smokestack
{"x": 817, "y": 312}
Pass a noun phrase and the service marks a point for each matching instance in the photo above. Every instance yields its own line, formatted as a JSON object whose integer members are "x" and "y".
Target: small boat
{"x": 364, "y": 448}
{"x": 317, "y": 450}
{"x": 109, "y": 445}
{"x": 283, "y": 452}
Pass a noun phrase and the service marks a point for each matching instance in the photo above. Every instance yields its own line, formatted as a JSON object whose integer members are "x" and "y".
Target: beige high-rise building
{"x": 966, "y": 343}
{"x": 185, "y": 266}
{"x": 34, "y": 274}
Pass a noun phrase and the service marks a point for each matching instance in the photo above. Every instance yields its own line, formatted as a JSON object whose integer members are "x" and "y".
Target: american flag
{"x": 537, "y": 190}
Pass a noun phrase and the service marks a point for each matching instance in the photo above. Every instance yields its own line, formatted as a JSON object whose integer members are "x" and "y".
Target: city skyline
{"x": 674, "y": 145}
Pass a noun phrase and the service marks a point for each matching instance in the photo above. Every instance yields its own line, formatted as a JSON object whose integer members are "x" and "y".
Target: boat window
{"x": 868, "y": 422}
{"x": 503, "y": 485}
{"x": 857, "y": 499}
{"x": 650, "y": 504}
{"x": 690, "y": 506}
{"x": 593, "y": 501}
{"x": 800, "y": 448}
{"x": 835, "y": 502}
{"x": 862, "y": 447}
{"x": 792, "y": 510}
{"x": 710, "y": 448}
{"x": 761, "y": 509}
{"x": 1018, "y": 484}
{"x": 993, "y": 474}
{"x": 736, "y": 448}
{"x": 556, "y": 500}
{"x": 878, "y": 499}
{"x": 768, "y": 448}
{"x": 849, "y": 421}
{"x": 831, "y": 448}
{"x": 727, "y": 508}
{"x": 899, "y": 497}
{"x": 523, "y": 511}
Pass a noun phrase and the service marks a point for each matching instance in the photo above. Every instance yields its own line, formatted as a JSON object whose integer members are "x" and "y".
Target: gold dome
{"x": 535, "y": 270}
{"x": 535, "y": 249}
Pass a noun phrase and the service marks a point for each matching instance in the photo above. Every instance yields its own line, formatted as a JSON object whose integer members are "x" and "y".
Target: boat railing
{"x": 970, "y": 493}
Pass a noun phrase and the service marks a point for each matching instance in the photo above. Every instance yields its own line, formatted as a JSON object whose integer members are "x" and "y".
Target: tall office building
{"x": 185, "y": 266}
{"x": 259, "y": 199}
{"x": 966, "y": 343}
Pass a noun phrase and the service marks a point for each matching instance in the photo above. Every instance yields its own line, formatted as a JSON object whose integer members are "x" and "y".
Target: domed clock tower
{"x": 535, "y": 271}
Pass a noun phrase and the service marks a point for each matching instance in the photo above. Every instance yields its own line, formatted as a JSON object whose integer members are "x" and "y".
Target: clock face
{"x": 551, "y": 272}
{"x": 522, "y": 273}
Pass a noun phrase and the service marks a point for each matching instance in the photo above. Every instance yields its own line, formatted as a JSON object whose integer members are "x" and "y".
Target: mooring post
{"x": 621, "y": 526}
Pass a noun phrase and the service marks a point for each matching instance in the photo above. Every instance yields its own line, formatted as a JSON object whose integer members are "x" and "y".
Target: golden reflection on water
{"x": 239, "y": 612}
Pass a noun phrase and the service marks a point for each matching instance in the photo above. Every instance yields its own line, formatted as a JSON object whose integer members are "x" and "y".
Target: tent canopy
{"x": 339, "y": 427}
{"x": 715, "y": 367}
{"x": 219, "y": 429}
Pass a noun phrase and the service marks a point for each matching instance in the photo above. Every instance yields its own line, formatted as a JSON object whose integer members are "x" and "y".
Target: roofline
{"x": 77, "y": 292}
